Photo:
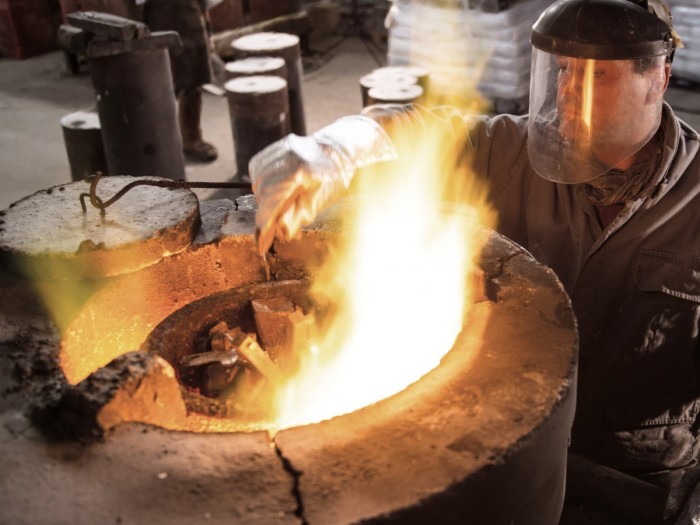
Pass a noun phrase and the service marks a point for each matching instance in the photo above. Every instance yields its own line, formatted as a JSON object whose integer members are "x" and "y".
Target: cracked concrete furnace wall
{"x": 453, "y": 446}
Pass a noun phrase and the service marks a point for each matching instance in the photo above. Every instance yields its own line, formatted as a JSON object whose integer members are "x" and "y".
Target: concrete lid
{"x": 376, "y": 79}
{"x": 256, "y": 84}
{"x": 397, "y": 93}
{"x": 81, "y": 120}
{"x": 265, "y": 41}
{"x": 255, "y": 65}
{"x": 47, "y": 236}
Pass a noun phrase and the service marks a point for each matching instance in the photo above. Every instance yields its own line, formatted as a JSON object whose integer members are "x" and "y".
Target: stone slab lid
{"x": 48, "y": 236}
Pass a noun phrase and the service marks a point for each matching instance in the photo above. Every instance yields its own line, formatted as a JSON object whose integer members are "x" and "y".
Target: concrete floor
{"x": 36, "y": 93}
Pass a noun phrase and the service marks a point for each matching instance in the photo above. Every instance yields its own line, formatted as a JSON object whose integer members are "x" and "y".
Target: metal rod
{"x": 98, "y": 203}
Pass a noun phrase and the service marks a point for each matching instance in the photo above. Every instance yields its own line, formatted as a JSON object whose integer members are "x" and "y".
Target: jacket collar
{"x": 676, "y": 153}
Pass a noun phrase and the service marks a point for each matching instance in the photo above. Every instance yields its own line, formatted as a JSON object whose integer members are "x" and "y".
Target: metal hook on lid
{"x": 98, "y": 203}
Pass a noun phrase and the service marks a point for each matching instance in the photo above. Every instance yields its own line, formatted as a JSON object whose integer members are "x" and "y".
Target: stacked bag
{"x": 686, "y": 21}
{"x": 468, "y": 51}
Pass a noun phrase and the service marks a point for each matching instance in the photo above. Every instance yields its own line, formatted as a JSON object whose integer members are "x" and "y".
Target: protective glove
{"x": 683, "y": 502}
{"x": 296, "y": 177}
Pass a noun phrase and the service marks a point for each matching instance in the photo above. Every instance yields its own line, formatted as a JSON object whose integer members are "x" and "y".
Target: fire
{"x": 400, "y": 284}
{"x": 399, "y": 290}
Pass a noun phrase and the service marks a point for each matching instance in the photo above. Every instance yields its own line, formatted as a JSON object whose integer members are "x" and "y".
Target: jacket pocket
{"x": 655, "y": 428}
{"x": 652, "y": 431}
{"x": 666, "y": 310}
{"x": 675, "y": 274}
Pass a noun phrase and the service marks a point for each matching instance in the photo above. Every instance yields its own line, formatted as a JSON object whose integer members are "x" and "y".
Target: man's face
{"x": 605, "y": 104}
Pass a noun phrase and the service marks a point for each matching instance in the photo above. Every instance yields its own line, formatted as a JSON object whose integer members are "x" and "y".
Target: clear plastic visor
{"x": 588, "y": 116}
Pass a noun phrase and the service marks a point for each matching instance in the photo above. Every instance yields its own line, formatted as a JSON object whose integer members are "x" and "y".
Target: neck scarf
{"x": 620, "y": 186}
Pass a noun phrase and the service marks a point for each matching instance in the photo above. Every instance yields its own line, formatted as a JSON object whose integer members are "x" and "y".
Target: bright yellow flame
{"x": 400, "y": 285}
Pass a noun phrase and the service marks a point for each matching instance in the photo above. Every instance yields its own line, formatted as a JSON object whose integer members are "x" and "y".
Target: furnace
{"x": 97, "y": 427}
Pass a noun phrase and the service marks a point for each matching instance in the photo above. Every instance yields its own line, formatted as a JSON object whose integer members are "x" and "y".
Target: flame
{"x": 400, "y": 285}
{"x": 399, "y": 289}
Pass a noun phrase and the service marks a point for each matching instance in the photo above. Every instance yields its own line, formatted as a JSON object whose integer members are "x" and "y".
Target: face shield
{"x": 588, "y": 116}
{"x": 597, "y": 83}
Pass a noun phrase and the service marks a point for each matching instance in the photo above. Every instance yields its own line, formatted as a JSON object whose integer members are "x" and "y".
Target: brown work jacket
{"x": 634, "y": 286}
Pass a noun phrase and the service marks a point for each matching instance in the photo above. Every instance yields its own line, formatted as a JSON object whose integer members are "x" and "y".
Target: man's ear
{"x": 667, "y": 75}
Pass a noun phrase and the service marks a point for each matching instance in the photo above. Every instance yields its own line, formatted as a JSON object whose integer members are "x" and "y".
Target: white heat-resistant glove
{"x": 296, "y": 177}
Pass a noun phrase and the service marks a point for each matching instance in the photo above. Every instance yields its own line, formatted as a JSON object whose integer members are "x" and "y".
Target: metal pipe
{"x": 406, "y": 94}
{"x": 83, "y": 140}
{"x": 259, "y": 109}
{"x": 138, "y": 111}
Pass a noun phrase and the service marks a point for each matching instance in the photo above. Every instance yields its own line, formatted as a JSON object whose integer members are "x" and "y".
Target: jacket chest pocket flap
{"x": 674, "y": 274}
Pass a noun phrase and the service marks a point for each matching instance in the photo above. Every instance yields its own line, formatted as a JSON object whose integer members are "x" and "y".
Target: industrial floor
{"x": 36, "y": 93}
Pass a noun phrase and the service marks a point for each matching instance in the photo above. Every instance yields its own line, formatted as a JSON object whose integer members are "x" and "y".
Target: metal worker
{"x": 601, "y": 182}
{"x": 191, "y": 66}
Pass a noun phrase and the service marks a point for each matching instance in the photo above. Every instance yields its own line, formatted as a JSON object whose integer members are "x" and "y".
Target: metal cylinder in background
{"x": 378, "y": 79}
{"x": 259, "y": 110}
{"x": 83, "y": 139}
{"x": 409, "y": 94}
{"x": 256, "y": 66}
{"x": 138, "y": 113}
{"x": 285, "y": 46}
{"x": 392, "y": 77}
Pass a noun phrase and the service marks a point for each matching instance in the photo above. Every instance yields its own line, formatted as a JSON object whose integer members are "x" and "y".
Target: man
{"x": 191, "y": 66}
{"x": 601, "y": 182}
